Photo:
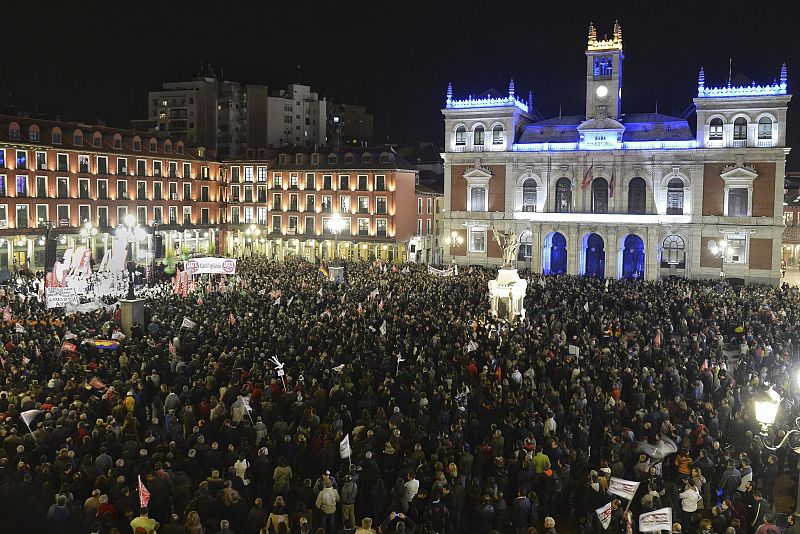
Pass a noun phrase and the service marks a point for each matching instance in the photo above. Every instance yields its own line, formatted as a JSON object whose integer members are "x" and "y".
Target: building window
{"x": 277, "y": 180}
{"x": 97, "y": 141}
{"x": 261, "y": 216}
{"x": 765, "y": 128}
{"x": 736, "y": 251}
{"x": 141, "y": 215}
{"x": 310, "y": 203}
{"x": 122, "y": 189}
{"x": 477, "y": 198}
{"x": 102, "y": 165}
{"x": 83, "y": 164}
{"x": 156, "y": 168}
{"x": 327, "y": 180}
{"x": 380, "y": 182}
{"x": 344, "y": 183}
{"x": 292, "y": 228}
{"x": 2, "y": 158}
{"x": 187, "y": 215}
{"x": 363, "y": 227}
{"x": 62, "y": 162}
{"x": 41, "y": 161}
{"x": 326, "y": 204}
{"x": 344, "y": 204}
{"x": 22, "y": 186}
{"x": 204, "y": 193}
{"x": 261, "y": 174}
{"x": 62, "y": 187}
{"x": 675, "y": 197}
{"x": 380, "y": 205}
{"x": 563, "y": 195}
{"x": 83, "y": 214}
{"x": 102, "y": 189}
{"x": 277, "y": 202}
{"x": 428, "y": 226}
{"x": 158, "y": 214}
{"x": 529, "y": 195}
{"x": 293, "y": 180}
{"x": 419, "y": 205}
{"x": 419, "y": 226}
{"x": 430, "y": 205}
{"x": 248, "y": 193}
{"x": 22, "y": 215}
{"x": 158, "y": 191}
{"x": 737, "y": 202}
{"x": 173, "y": 215}
{"x": 461, "y": 136}
{"x": 477, "y": 136}
{"x": 673, "y": 252}
{"x": 637, "y": 196}
{"x": 41, "y": 186}
{"x": 102, "y": 216}
{"x": 122, "y": 166}
{"x": 715, "y": 130}
{"x": 477, "y": 240}
{"x": 380, "y": 227}
{"x": 740, "y": 129}
{"x": 599, "y": 195}
{"x": 56, "y": 138}
{"x": 41, "y": 213}
{"x": 362, "y": 182}
{"x": 77, "y": 139}
{"x": 309, "y": 226}
{"x": 22, "y": 159}
{"x": 187, "y": 191}
{"x": 293, "y": 202}
{"x": 83, "y": 188}
{"x": 363, "y": 204}
{"x": 497, "y": 135}
{"x": 141, "y": 190}
{"x": 141, "y": 167}
{"x": 276, "y": 223}
{"x": 3, "y": 191}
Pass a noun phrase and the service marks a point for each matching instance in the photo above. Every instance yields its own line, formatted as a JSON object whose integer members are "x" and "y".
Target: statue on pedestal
{"x": 509, "y": 243}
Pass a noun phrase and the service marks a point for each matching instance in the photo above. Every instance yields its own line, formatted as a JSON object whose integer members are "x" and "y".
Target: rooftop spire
{"x": 592, "y": 33}
{"x": 511, "y": 88}
{"x": 449, "y": 92}
{"x": 617, "y": 32}
{"x": 530, "y": 100}
{"x": 701, "y": 78}
{"x": 783, "y": 74}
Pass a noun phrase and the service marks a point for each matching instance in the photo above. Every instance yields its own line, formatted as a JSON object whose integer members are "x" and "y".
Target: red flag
{"x": 612, "y": 185}
{"x": 587, "y": 177}
{"x": 68, "y": 347}
{"x": 171, "y": 348}
{"x": 96, "y": 383}
{"x": 231, "y": 319}
{"x": 144, "y": 495}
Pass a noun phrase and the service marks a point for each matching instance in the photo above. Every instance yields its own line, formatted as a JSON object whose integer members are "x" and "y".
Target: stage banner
{"x": 211, "y": 266}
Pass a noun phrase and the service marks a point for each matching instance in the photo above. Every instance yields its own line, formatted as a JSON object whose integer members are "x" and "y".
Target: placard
{"x": 61, "y": 297}
{"x": 211, "y": 266}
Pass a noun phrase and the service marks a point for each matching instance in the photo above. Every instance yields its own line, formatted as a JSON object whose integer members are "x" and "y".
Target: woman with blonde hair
{"x": 277, "y": 516}
{"x": 193, "y": 525}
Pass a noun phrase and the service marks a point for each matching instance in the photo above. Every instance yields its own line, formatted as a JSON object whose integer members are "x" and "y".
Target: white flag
{"x": 290, "y": 301}
{"x": 656, "y": 520}
{"x": 188, "y": 323}
{"x": 373, "y": 294}
{"x": 586, "y": 307}
{"x": 542, "y": 282}
{"x": 320, "y": 291}
{"x": 29, "y": 416}
{"x": 383, "y": 328}
{"x": 472, "y": 346}
{"x": 344, "y": 447}
{"x": 604, "y": 513}
{"x": 623, "y": 488}
{"x": 278, "y": 301}
{"x": 19, "y": 329}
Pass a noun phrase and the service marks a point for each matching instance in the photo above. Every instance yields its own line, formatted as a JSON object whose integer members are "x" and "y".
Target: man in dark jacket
{"x": 520, "y": 512}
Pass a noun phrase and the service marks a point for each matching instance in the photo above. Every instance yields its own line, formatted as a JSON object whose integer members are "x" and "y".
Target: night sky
{"x": 90, "y": 60}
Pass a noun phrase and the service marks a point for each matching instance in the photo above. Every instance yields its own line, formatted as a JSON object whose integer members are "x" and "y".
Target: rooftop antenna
{"x": 656, "y": 107}
{"x": 298, "y": 73}
{"x": 559, "y": 110}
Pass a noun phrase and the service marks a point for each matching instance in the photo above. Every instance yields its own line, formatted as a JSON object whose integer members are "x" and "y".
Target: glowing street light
{"x": 452, "y": 241}
{"x": 336, "y": 225}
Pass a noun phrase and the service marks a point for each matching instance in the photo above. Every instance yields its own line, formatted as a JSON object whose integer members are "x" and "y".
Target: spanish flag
{"x": 106, "y": 344}
{"x": 324, "y": 270}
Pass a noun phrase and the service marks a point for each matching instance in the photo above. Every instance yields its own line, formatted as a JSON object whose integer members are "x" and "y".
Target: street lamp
{"x": 130, "y": 226}
{"x": 766, "y": 406}
{"x": 719, "y": 250}
{"x": 336, "y": 225}
{"x": 88, "y": 232}
{"x": 452, "y": 241}
{"x": 253, "y": 231}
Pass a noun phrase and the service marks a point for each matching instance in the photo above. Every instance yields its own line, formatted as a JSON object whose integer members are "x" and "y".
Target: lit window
{"x": 477, "y": 136}
{"x": 497, "y": 135}
{"x": 740, "y": 129}
{"x": 715, "y": 129}
{"x": 477, "y": 240}
{"x": 765, "y": 128}
{"x": 461, "y": 136}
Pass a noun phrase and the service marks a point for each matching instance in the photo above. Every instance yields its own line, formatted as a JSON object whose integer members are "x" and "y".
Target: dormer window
{"x": 137, "y": 144}
{"x": 13, "y": 132}
{"x": 765, "y": 128}
{"x": 55, "y": 136}
{"x": 384, "y": 158}
{"x": 461, "y": 136}
{"x": 153, "y": 145}
{"x": 33, "y": 133}
{"x": 283, "y": 159}
{"x": 117, "y": 141}
{"x": 366, "y": 158}
{"x": 740, "y": 129}
{"x": 315, "y": 159}
{"x": 298, "y": 159}
{"x": 168, "y": 146}
{"x": 715, "y": 130}
{"x": 77, "y": 139}
{"x": 331, "y": 159}
{"x": 348, "y": 159}
{"x": 97, "y": 140}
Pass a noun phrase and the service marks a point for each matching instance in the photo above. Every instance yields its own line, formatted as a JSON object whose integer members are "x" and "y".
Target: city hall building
{"x": 622, "y": 195}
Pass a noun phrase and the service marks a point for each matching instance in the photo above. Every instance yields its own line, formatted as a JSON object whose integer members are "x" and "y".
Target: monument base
{"x": 132, "y": 312}
{"x": 337, "y": 274}
{"x": 507, "y": 295}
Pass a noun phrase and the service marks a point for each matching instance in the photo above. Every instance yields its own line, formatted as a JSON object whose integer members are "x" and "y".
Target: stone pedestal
{"x": 507, "y": 294}
{"x": 132, "y": 313}
{"x": 337, "y": 274}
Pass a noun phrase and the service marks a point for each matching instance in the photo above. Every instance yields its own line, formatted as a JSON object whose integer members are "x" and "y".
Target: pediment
{"x": 739, "y": 172}
{"x": 604, "y": 123}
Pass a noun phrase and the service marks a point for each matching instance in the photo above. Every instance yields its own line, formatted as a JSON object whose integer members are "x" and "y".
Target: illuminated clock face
{"x": 601, "y": 91}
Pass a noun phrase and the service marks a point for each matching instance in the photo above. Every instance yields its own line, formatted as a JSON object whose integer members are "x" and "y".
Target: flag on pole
{"x": 604, "y": 514}
{"x": 28, "y": 416}
{"x": 373, "y": 294}
{"x": 344, "y": 447}
{"x": 231, "y": 319}
{"x": 323, "y": 269}
{"x": 7, "y": 313}
{"x": 144, "y": 495}
{"x": 68, "y": 347}
{"x": 278, "y": 301}
{"x": 587, "y": 177}
{"x": 472, "y": 346}
{"x": 96, "y": 383}
{"x": 656, "y": 520}
{"x": 172, "y": 349}
{"x": 586, "y": 307}
{"x": 360, "y": 308}
{"x": 188, "y": 323}
{"x": 622, "y": 488}
{"x": 383, "y": 328}
{"x": 19, "y": 329}
{"x": 612, "y": 185}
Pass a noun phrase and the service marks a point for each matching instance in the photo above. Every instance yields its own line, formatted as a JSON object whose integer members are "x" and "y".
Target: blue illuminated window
{"x": 602, "y": 67}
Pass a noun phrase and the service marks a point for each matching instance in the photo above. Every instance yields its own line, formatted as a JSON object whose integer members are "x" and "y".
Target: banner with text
{"x": 624, "y": 488}
{"x": 61, "y": 297}
{"x": 211, "y": 266}
{"x": 656, "y": 520}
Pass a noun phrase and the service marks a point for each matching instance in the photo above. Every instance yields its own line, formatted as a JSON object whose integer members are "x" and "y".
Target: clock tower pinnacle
{"x": 604, "y": 74}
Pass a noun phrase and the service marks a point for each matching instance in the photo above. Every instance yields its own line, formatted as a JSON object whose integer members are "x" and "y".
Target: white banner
{"x": 188, "y": 323}
{"x": 656, "y": 520}
{"x": 61, "y": 297}
{"x": 623, "y": 488}
{"x": 211, "y": 265}
{"x": 344, "y": 447}
{"x": 440, "y": 272}
{"x": 604, "y": 514}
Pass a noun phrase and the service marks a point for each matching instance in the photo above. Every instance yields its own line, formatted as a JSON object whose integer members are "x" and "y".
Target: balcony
{"x": 739, "y": 143}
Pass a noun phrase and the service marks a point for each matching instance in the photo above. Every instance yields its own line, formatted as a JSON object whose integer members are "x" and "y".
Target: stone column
{"x": 573, "y": 250}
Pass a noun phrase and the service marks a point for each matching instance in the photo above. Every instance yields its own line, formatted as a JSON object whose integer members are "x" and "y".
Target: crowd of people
{"x": 395, "y": 402}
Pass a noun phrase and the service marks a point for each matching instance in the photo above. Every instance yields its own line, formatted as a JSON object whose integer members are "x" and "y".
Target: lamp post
{"x": 88, "y": 233}
{"x": 130, "y": 226}
{"x": 453, "y": 240}
{"x": 719, "y": 250}
{"x": 336, "y": 225}
{"x": 252, "y": 234}
{"x": 766, "y": 406}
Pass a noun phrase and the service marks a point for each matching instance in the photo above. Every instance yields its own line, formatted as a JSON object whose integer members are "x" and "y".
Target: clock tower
{"x": 604, "y": 74}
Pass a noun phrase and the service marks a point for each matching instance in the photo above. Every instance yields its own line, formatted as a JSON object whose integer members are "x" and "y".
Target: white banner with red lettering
{"x": 624, "y": 488}
{"x": 210, "y": 266}
{"x": 656, "y": 520}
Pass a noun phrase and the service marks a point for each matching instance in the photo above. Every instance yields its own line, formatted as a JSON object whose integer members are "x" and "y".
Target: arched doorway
{"x": 633, "y": 258}
{"x": 637, "y": 196}
{"x": 554, "y": 259}
{"x": 594, "y": 254}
